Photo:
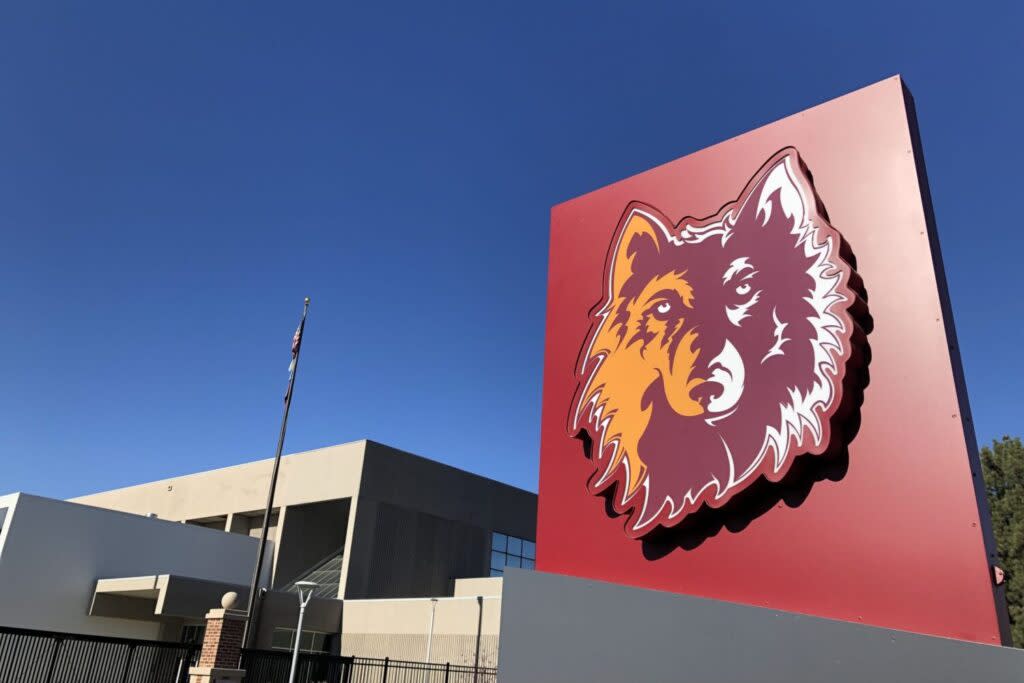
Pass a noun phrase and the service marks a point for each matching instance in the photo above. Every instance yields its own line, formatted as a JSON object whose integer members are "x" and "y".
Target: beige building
{"x": 403, "y": 551}
{"x": 442, "y": 629}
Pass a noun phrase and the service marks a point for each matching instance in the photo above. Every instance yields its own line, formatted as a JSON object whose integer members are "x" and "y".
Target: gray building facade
{"x": 394, "y": 524}
{"x": 368, "y": 523}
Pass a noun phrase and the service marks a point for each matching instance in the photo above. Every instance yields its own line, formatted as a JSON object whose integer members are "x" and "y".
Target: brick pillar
{"x": 222, "y": 645}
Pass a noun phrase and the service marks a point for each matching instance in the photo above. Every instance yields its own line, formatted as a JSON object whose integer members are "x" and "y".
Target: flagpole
{"x": 249, "y": 632}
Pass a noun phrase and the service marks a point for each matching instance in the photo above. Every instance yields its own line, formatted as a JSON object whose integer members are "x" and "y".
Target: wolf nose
{"x": 705, "y": 391}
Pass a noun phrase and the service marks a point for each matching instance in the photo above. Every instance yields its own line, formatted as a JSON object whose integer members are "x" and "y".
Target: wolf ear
{"x": 640, "y": 239}
{"x": 777, "y": 198}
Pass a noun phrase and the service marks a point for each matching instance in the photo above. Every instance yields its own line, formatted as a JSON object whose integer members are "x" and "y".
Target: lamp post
{"x": 430, "y": 631}
{"x": 303, "y": 601}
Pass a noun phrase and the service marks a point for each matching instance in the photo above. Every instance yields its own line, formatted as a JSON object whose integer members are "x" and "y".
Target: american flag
{"x": 296, "y": 342}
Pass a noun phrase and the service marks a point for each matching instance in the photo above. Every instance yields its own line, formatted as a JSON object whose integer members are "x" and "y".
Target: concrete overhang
{"x": 160, "y": 597}
{"x": 166, "y": 597}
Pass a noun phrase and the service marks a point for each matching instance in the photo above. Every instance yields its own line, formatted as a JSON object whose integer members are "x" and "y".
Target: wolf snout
{"x": 725, "y": 382}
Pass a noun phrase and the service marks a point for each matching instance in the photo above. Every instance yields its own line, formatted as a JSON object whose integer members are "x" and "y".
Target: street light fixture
{"x": 304, "y": 599}
{"x": 430, "y": 631}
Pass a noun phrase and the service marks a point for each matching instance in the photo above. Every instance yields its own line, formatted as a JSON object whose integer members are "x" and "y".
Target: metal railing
{"x": 28, "y": 656}
{"x": 269, "y": 666}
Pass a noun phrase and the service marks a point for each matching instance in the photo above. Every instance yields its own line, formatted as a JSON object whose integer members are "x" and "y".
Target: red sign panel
{"x": 760, "y": 404}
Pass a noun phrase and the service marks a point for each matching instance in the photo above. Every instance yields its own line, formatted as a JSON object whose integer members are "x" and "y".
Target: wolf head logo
{"x": 719, "y": 349}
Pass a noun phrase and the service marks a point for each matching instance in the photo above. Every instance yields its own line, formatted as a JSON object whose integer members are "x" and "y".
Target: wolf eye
{"x": 662, "y": 310}
{"x": 743, "y": 289}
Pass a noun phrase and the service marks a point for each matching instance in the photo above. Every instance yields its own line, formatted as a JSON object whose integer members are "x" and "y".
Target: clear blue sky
{"x": 175, "y": 177}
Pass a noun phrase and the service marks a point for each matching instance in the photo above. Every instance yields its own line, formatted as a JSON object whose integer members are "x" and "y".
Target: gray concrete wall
{"x": 557, "y": 628}
{"x": 238, "y": 494}
{"x": 414, "y": 525}
{"x": 408, "y": 553}
{"x": 6, "y": 503}
{"x": 310, "y": 533}
{"x": 54, "y": 552}
{"x": 418, "y": 525}
{"x": 308, "y": 477}
{"x": 413, "y": 482}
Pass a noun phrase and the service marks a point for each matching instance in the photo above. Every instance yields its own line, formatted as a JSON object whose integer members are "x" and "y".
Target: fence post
{"x": 447, "y": 670}
{"x": 386, "y": 662}
{"x": 53, "y": 659}
{"x": 128, "y": 663}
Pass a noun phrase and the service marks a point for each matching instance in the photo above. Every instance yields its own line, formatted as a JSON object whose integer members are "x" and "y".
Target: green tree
{"x": 1003, "y": 465}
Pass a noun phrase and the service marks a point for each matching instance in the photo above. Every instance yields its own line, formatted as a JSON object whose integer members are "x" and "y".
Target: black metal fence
{"x": 28, "y": 656}
{"x": 269, "y": 666}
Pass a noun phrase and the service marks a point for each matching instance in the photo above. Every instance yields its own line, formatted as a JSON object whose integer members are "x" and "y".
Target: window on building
{"x": 326, "y": 575}
{"x": 510, "y": 551}
{"x": 312, "y": 641}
